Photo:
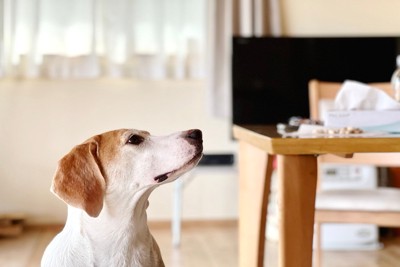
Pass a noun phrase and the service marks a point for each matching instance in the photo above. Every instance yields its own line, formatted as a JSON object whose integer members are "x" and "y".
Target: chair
{"x": 380, "y": 206}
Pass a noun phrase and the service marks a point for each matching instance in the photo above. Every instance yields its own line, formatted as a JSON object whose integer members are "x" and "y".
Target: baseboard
{"x": 45, "y": 226}
{"x": 152, "y": 224}
{"x": 195, "y": 223}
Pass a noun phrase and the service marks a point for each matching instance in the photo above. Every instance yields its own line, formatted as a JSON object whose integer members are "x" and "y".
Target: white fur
{"x": 119, "y": 235}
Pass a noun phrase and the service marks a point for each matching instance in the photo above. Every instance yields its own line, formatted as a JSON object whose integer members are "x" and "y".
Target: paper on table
{"x": 359, "y": 96}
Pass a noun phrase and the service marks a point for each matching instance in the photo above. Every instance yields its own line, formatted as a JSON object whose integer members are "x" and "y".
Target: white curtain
{"x": 219, "y": 59}
{"x": 63, "y": 39}
{"x": 234, "y": 18}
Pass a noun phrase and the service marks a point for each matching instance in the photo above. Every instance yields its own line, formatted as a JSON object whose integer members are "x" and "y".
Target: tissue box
{"x": 368, "y": 120}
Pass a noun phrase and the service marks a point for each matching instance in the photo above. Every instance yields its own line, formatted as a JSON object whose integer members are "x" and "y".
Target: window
{"x": 63, "y": 39}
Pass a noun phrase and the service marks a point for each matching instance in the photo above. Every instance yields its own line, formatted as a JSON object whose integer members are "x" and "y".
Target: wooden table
{"x": 297, "y": 172}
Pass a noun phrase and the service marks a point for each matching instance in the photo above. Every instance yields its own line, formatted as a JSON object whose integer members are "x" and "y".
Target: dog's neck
{"x": 120, "y": 229}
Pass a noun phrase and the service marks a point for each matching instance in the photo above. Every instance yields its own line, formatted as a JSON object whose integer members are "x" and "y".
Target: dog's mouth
{"x": 161, "y": 178}
{"x": 185, "y": 167}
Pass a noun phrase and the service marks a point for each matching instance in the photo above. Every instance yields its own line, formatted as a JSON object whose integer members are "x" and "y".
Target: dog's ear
{"x": 78, "y": 179}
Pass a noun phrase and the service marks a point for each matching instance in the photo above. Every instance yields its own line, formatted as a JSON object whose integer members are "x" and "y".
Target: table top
{"x": 267, "y": 138}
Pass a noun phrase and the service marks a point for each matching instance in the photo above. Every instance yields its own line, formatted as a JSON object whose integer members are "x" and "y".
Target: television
{"x": 270, "y": 75}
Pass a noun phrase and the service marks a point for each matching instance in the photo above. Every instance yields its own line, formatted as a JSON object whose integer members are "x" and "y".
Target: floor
{"x": 203, "y": 244}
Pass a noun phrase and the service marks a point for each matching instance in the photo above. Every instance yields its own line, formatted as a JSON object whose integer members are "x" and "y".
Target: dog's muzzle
{"x": 195, "y": 138}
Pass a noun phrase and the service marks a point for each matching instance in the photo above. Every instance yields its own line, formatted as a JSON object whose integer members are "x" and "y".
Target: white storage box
{"x": 349, "y": 236}
{"x": 344, "y": 176}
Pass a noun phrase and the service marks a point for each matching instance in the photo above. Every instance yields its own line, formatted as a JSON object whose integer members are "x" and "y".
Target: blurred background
{"x": 73, "y": 69}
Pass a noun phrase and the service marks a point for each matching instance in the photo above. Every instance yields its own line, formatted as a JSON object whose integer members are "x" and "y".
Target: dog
{"x": 106, "y": 182}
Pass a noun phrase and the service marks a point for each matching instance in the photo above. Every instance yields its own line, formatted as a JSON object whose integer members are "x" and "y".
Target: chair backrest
{"x": 322, "y": 90}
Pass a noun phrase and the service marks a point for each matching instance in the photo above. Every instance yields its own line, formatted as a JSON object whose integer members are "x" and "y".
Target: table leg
{"x": 255, "y": 169}
{"x": 298, "y": 180}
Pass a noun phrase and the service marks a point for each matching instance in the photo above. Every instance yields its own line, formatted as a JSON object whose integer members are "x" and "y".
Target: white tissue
{"x": 359, "y": 96}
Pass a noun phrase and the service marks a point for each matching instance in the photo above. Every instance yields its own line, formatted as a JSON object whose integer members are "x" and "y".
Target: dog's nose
{"x": 194, "y": 134}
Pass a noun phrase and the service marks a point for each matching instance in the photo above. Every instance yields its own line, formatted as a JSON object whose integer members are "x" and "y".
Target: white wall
{"x": 40, "y": 121}
{"x": 341, "y": 17}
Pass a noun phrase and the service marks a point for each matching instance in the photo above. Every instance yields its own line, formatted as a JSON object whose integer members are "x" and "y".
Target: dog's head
{"x": 123, "y": 162}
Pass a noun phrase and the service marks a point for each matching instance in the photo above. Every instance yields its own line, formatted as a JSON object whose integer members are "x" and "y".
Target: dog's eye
{"x": 135, "y": 139}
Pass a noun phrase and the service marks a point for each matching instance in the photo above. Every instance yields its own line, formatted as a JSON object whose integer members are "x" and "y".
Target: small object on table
{"x": 343, "y": 131}
{"x": 294, "y": 124}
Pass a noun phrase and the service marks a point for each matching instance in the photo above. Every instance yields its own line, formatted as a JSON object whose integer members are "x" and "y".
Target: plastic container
{"x": 395, "y": 81}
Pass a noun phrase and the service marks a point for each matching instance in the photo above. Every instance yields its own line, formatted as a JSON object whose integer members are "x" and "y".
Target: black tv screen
{"x": 270, "y": 75}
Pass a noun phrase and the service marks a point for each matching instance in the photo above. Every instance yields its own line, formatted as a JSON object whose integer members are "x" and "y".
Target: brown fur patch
{"x": 79, "y": 180}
